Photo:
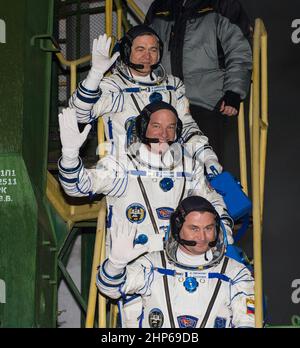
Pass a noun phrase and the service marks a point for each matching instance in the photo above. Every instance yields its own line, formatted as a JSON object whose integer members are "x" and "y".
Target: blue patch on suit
{"x": 141, "y": 239}
{"x": 136, "y": 212}
{"x": 190, "y": 284}
{"x": 155, "y": 97}
{"x": 187, "y": 321}
{"x": 164, "y": 213}
{"x": 220, "y": 323}
{"x": 166, "y": 184}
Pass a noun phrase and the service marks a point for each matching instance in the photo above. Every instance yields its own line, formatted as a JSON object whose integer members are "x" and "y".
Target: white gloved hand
{"x": 123, "y": 249}
{"x": 70, "y": 137}
{"x": 101, "y": 61}
{"x": 210, "y": 165}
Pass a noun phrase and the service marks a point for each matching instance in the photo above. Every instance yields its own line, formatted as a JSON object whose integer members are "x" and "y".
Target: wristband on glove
{"x": 111, "y": 271}
{"x": 93, "y": 79}
{"x": 69, "y": 158}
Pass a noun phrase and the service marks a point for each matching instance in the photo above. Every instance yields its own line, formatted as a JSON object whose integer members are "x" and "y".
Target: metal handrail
{"x": 264, "y": 124}
{"x": 99, "y": 242}
{"x": 99, "y": 246}
{"x": 136, "y": 9}
{"x": 242, "y": 149}
{"x": 259, "y": 140}
{"x": 258, "y": 128}
{"x": 73, "y": 64}
{"x": 119, "y": 18}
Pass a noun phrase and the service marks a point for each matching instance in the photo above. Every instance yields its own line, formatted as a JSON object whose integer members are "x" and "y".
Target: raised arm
{"x": 109, "y": 177}
{"x": 89, "y": 92}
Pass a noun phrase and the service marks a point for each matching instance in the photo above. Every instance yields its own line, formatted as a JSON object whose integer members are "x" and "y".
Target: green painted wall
{"x": 18, "y": 235}
{"x": 27, "y": 238}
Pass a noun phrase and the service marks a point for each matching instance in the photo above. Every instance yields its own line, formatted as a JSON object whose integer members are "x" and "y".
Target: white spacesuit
{"x": 141, "y": 186}
{"x": 120, "y": 97}
{"x": 178, "y": 289}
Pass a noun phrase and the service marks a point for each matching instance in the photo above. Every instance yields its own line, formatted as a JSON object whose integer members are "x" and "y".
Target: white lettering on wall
{"x": 2, "y": 31}
{"x": 2, "y": 291}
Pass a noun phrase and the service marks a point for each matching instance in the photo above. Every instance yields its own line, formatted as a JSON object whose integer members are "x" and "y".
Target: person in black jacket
{"x": 207, "y": 45}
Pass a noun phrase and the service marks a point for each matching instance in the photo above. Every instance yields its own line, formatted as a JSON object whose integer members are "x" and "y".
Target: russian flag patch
{"x": 250, "y": 306}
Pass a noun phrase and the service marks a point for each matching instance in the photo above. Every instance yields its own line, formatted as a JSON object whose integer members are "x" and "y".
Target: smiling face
{"x": 201, "y": 228}
{"x": 162, "y": 126}
{"x": 145, "y": 51}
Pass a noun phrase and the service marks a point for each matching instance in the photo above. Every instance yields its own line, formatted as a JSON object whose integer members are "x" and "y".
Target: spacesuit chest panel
{"x": 188, "y": 308}
{"x": 163, "y": 190}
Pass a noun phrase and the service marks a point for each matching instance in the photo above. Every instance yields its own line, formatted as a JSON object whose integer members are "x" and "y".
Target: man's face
{"x": 162, "y": 126}
{"x": 201, "y": 228}
{"x": 145, "y": 51}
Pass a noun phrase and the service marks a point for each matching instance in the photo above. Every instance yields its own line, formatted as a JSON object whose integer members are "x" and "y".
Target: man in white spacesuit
{"x": 191, "y": 284}
{"x": 138, "y": 79}
{"x": 144, "y": 185}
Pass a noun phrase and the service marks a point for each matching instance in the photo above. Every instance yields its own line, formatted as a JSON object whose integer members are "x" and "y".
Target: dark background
{"x": 281, "y": 232}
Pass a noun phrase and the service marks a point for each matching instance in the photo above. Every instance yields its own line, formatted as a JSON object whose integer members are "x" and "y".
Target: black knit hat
{"x": 158, "y": 105}
{"x": 139, "y": 30}
{"x": 195, "y": 203}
